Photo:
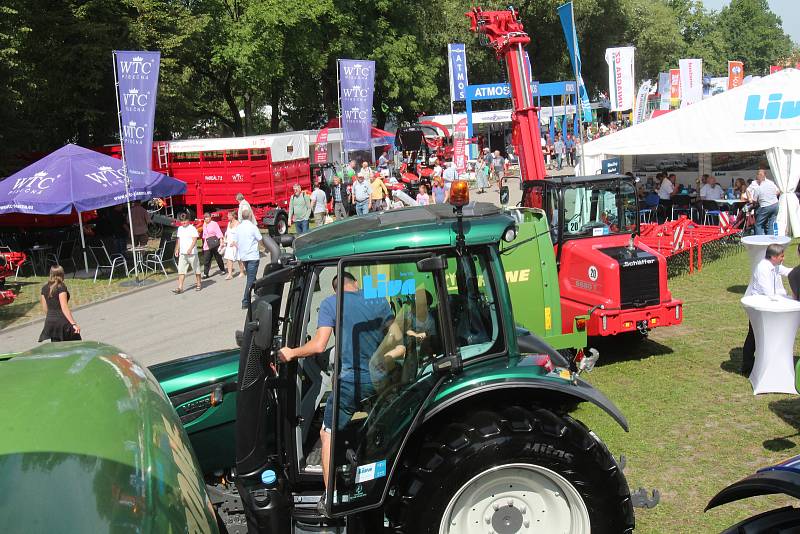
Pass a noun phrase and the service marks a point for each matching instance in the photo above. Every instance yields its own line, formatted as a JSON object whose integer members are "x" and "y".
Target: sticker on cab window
{"x": 365, "y": 473}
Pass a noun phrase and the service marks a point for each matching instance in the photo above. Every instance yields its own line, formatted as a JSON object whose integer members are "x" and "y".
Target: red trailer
{"x": 263, "y": 168}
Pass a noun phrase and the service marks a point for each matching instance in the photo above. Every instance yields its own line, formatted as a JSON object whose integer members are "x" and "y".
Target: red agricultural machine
{"x": 605, "y": 270}
{"x": 9, "y": 262}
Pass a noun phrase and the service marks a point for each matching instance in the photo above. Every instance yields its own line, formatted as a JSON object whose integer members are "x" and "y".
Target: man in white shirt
{"x": 766, "y": 194}
{"x": 449, "y": 175}
{"x": 766, "y": 280}
{"x": 248, "y": 237}
{"x": 665, "y": 192}
{"x": 244, "y": 205}
{"x": 186, "y": 252}
{"x": 361, "y": 194}
{"x": 319, "y": 205}
{"x": 711, "y": 190}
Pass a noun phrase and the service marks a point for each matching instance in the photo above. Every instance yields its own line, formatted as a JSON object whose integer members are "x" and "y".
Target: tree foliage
{"x": 241, "y": 67}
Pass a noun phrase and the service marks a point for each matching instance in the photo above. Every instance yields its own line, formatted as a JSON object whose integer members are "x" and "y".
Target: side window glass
{"x": 472, "y": 305}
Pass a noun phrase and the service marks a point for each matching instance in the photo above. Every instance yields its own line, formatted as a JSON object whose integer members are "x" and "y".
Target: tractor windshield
{"x": 600, "y": 208}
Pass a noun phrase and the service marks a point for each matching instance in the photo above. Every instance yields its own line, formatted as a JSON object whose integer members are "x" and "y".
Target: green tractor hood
{"x": 91, "y": 444}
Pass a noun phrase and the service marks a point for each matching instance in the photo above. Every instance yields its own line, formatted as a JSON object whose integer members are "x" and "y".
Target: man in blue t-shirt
{"x": 365, "y": 322}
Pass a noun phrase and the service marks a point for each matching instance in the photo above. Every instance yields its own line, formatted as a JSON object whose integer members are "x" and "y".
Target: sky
{"x": 787, "y": 10}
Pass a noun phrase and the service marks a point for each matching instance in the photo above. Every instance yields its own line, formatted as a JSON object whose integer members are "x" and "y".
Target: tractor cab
{"x": 580, "y": 207}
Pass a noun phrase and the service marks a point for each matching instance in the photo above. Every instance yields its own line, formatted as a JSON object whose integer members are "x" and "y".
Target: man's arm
{"x": 314, "y": 346}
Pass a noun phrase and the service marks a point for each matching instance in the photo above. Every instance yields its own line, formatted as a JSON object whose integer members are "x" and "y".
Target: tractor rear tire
{"x": 511, "y": 469}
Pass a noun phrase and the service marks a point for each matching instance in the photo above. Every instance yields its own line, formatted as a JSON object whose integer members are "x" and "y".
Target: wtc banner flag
{"x": 691, "y": 81}
{"x": 735, "y": 74}
{"x": 356, "y": 86}
{"x": 457, "y": 61}
{"x": 567, "y": 16}
{"x": 137, "y": 84}
{"x": 620, "y": 77}
{"x": 641, "y": 102}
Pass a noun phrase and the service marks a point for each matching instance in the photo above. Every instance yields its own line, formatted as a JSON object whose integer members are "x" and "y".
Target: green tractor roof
{"x": 403, "y": 229}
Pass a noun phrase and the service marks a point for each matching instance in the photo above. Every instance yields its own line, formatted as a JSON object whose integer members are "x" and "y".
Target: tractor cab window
{"x": 600, "y": 208}
{"x": 391, "y": 333}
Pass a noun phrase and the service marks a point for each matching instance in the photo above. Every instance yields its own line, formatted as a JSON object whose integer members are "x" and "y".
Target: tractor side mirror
{"x": 262, "y": 316}
{"x": 432, "y": 264}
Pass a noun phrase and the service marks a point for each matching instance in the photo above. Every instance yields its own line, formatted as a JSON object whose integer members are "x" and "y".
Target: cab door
{"x": 391, "y": 353}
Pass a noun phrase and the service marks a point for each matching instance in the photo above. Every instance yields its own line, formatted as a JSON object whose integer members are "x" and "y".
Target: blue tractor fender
{"x": 782, "y": 478}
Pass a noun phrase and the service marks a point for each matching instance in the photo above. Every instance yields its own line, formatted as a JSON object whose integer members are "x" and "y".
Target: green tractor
{"x": 457, "y": 422}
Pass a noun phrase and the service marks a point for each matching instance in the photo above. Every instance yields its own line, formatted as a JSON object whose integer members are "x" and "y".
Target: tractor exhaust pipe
{"x": 272, "y": 247}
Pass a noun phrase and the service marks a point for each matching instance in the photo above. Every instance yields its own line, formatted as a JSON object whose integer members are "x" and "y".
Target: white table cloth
{"x": 775, "y": 321}
{"x": 756, "y": 246}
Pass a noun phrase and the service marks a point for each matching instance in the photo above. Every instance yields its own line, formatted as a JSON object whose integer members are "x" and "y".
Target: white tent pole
{"x": 125, "y": 168}
{"x": 83, "y": 243}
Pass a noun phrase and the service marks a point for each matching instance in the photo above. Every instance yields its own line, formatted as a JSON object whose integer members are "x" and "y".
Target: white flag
{"x": 620, "y": 77}
{"x": 641, "y": 102}
{"x": 691, "y": 81}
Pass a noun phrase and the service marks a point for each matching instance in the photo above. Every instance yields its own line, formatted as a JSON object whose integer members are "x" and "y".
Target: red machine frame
{"x": 504, "y": 33}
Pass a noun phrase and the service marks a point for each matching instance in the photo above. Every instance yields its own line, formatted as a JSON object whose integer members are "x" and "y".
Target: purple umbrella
{"x": 76, "y": 177}
{"x": 79, "y": 178}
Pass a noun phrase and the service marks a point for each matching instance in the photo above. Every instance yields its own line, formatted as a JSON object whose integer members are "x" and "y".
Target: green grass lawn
{"x": 695, "y": 425}
{"x": 27, "y": 307}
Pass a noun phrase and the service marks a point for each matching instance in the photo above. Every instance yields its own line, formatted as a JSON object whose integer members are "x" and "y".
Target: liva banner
{"x": 137, "y": 84}
{"x": 735, "y": 74}
{"x": 356, "y": 85}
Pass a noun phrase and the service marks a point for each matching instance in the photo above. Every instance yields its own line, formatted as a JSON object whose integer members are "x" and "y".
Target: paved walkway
{"x": 153, "y": 325}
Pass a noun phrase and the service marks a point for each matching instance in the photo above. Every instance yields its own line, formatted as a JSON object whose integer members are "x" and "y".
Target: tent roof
{"x": 722, "y": 123}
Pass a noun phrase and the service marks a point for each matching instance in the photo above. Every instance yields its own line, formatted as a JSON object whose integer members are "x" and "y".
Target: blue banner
{"x": 568, "y": 24}
{"x": 137, "y": 84}
{"x": 356, "y": 85}
{"x": 457, "y": 61}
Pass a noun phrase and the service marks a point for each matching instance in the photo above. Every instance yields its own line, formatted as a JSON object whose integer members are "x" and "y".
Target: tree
{"x": 754, "y": 35}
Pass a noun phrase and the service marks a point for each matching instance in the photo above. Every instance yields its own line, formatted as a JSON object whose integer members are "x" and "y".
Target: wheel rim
{"x": 281, "y": 226}
{"x": 516, "y": 498}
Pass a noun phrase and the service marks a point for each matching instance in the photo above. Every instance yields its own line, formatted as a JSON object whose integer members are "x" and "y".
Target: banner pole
{"x": 83, "y": 243}
{"x": 125, "y": 167}
{"x": 342, "y": 153}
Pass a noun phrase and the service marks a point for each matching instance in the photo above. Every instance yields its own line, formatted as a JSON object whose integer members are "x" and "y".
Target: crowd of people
{"x": 758, "y": 197}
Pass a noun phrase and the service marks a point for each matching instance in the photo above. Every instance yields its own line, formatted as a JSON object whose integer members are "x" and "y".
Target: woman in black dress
{"x": 59, "y": 325}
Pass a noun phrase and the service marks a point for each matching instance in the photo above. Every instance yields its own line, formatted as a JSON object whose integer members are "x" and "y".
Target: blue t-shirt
{"x": 364, "y": 323}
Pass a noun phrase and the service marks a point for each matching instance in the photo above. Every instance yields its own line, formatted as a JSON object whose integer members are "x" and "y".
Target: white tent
{"x": 761, "y": 115}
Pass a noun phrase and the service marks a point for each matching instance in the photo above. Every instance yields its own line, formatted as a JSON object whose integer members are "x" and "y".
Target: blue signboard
{"x": 612, "y": 165}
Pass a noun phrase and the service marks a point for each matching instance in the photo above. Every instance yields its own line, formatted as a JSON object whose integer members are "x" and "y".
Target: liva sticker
{"x": 371, "y": 471}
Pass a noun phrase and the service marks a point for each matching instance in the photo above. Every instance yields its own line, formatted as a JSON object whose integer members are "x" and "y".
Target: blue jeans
{"x": 251, "y": 266}
{"x": 765, "y": 217}
{"x": 301, "y": 227}
{"x": 362, "y": 207}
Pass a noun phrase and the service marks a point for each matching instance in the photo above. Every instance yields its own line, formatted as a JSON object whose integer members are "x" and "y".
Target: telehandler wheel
{"x": 512, "y": 470}
{"x": 281, "y": 225}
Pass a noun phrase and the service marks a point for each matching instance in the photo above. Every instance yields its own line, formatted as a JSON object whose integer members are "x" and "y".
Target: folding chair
{"x": 104, "y": 260}
{"x": 166, "y": 252}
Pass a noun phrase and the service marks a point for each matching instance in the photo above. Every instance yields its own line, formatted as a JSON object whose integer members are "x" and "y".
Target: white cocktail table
{"x": 756, "y": 246}
{"x": 775, "y": 321}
